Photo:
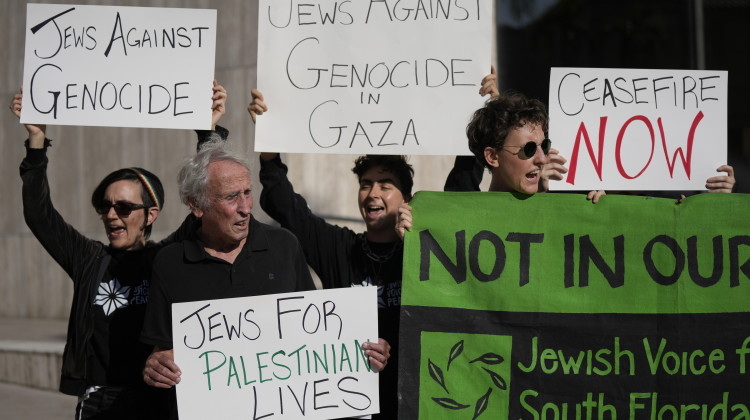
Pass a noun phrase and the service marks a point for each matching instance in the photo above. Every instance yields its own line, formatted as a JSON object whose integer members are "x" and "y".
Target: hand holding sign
{"x": 218, "y": 107}
{"x": 378, "y": 353}
{"x": 161, "y": 371}
{"x": 36, "y": 131}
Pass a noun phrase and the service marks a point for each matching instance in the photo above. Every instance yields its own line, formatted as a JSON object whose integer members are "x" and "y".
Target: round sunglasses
{"x": 528, "y": 150}
{"x": 122, "y": 208}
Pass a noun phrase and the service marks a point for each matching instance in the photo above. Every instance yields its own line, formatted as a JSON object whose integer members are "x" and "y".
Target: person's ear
{"x": 151, "y": 215}
{"x": 197, "y": 212}
{"x": 491, "y": 156}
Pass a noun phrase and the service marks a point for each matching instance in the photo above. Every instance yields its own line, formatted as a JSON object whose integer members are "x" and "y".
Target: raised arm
{"x": 65, "y": 244}
{"x": 37, "y": 132}
{"x": 218, "y": 106}
{"x": 466, "y": 174}
{"x": 258, "y": 105}
{"x": 279, "y": 200}
{"x": 489, "y": 84}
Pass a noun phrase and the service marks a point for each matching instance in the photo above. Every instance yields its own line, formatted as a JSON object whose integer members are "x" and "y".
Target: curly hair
{"x": 491, "y": 124}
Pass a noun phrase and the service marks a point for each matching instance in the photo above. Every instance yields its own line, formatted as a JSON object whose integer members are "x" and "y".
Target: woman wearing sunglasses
{"x": 103, "y": 356}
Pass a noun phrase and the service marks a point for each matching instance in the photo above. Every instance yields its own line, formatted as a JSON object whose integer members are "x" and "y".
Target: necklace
{"x": 376, "y": 261}
{"x": 384, "y": 257}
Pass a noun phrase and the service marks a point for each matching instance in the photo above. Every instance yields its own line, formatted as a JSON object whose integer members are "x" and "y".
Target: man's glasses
{"x": 528, "y": 150}
{"x": 122, "y": 208}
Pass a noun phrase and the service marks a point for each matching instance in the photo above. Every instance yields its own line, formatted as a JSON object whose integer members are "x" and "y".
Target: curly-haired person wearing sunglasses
{"x": 508, "y": 136}
{"x": 103, "y": 356}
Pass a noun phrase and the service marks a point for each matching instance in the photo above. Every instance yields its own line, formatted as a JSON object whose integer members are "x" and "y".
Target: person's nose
{"x": 245, "y": 205}
{"x": 111, "y": 214}
{"x": 374, "y": 191}
{"x": 540, "y": 157}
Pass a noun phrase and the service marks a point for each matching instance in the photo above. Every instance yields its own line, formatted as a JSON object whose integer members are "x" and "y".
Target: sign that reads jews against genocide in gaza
{"x": 371, "y": 76}
{"x": 552, "y": 311}
{"x": 282, "y": 356}
{"x": 118, "y": 66}
{"x": 633, "y": 129}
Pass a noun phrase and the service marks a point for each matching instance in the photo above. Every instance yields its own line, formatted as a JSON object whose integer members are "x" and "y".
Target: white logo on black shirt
{"x": 388, "y": 294}
{"x": 112, "y": 296}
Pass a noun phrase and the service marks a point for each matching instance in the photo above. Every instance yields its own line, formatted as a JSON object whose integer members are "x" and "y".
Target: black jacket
{"x": 81, "y": 258}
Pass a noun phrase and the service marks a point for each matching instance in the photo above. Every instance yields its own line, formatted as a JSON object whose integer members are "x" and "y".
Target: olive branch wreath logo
{"x": 482, "y": 402}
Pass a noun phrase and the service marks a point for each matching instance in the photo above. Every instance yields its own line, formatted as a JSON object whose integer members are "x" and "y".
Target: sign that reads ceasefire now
{"x": 281, "y": 356}
{"x": 118, "y": 66}
{"x": 374, "y": 77}
{"x": 637, "y": 129}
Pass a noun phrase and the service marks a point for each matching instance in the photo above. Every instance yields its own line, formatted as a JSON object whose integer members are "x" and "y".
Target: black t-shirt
{"x": 343, "y": 258}
{"x": 115, "y": 355}
{"x": 270, "y": 262}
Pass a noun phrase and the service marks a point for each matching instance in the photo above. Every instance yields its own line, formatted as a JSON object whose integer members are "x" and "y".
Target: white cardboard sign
{"x": 379, "y": 77}
{"x": 118, "y": 66}
{"x": 281, "y": 356}
{"x": 638, "y": 129}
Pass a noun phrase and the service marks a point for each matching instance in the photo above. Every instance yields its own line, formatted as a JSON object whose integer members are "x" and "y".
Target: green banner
{"x": 550, "y": 306}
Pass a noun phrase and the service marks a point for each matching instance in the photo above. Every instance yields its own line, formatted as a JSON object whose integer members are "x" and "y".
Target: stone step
{"x": 31, "y": 352}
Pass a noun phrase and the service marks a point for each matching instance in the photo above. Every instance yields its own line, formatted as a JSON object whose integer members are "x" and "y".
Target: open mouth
{"x": 533, "y": 176}
{"x": 115, "y": 231}
{"x": 241, "y": 225}
{"x": 374, "y": 211}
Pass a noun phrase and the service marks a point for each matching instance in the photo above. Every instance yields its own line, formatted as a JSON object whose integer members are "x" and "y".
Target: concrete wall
{"x": 31, "y": 283}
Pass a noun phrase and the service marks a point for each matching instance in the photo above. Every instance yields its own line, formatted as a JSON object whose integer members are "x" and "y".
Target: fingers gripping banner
{"x": 551, "y": 307}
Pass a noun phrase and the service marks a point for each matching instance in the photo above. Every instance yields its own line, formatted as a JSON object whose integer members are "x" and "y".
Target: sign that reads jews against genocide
{"x": 377, "y": 76}
{"x": 282, "y": 356}
{"x": 118, "y": 66}
{"x": 552, "y": 311}
{"x": 633, "y": 129}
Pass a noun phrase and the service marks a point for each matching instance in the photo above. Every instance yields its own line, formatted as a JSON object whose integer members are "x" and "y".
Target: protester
{"x": 344, "y": 258}
{"x": 103, "y": 357}
{"x": 229, "y": 254}
{"x": 509, "y": 137}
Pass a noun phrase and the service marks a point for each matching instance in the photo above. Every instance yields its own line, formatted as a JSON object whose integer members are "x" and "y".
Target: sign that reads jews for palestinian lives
{"x": 118, "y": 66}
{"x": 282, "y": 356}
{"x": 379, "y": 77}
{"x": 637, "y": 129}
{"x": 551, "y": 307}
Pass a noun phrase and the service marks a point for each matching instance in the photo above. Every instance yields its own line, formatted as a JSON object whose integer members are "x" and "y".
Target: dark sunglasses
{"x": 122, "y": 208}
{"x": 528, "y": 150}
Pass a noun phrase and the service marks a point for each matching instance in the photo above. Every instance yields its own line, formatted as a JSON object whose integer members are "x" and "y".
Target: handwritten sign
{"x": 632, "y": 129}
{"x": 118, "y": 66}
{"x": 380, "y": 77}
{"x": 287, "y": 356}
{"x": 528, "y": 316}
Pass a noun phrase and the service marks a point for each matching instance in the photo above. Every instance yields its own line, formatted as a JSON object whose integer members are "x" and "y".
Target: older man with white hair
{"x": 230, "y": 254}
